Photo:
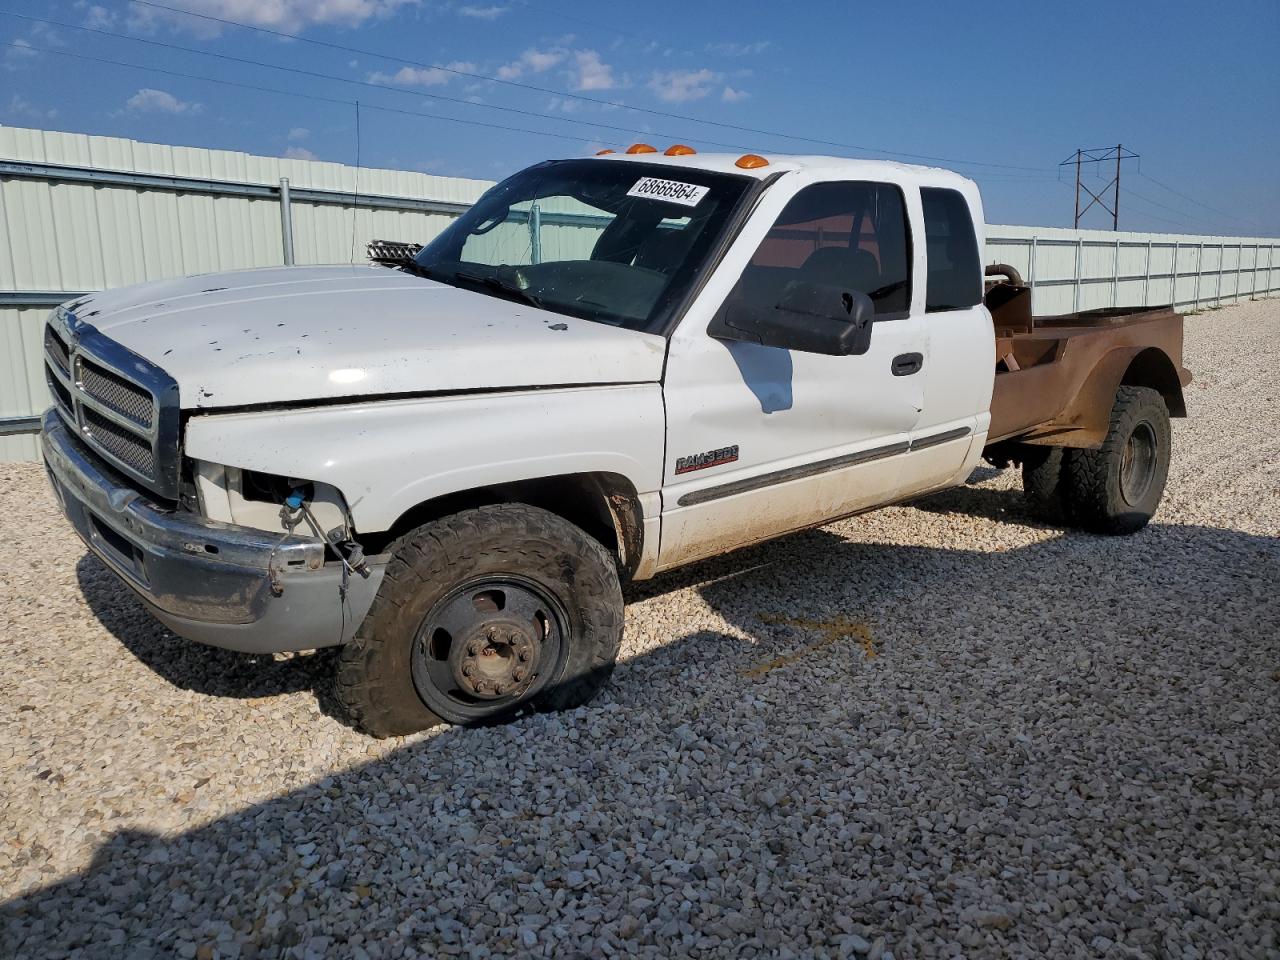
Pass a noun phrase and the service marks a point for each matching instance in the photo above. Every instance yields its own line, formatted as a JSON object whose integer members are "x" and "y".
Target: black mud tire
{"x": 1042, "y": 486}
{"x": 1116, "y": 489}
{"x": 374, "y": 683}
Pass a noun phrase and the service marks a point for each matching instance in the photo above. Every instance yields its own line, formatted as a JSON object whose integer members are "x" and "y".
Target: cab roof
{"x": 835, "y": 167}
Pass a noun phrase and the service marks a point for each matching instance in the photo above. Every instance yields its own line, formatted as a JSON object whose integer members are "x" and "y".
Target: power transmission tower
{"x": 1096, "y": 156}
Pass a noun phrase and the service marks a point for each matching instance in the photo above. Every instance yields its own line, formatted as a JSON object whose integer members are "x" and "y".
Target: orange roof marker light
{"x": 641, "y": 148}
{"x": 750, "y": 161}
{"x": 601, "y": 153}
{"x": 679, "y": 150}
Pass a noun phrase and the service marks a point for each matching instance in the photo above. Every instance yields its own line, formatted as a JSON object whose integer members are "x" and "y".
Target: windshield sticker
{"x": 672, "y": 191}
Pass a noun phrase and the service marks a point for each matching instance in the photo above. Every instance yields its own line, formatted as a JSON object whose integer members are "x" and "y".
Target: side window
{"x": 955, "y": 269}
{"x": 843, "y": 234}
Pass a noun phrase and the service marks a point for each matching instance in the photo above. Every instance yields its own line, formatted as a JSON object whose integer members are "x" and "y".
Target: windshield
{"x": 616, "y": 242}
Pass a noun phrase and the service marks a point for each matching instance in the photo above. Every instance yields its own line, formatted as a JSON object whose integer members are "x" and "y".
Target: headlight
{"x": 249, "y": 498}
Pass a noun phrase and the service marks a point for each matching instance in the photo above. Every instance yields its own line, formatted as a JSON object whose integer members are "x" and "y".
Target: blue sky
{"x": 1193, "y": 87}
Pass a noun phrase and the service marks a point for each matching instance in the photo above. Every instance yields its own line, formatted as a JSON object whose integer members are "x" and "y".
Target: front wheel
{"x": 483, "y": 616}
{"x": 1116, "y": 488}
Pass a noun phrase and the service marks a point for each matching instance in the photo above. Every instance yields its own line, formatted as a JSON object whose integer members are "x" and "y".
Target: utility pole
{"x": 1115, "y": 212}
{"x": 1076, "y": 222}
{"x": 1096, "y": 156}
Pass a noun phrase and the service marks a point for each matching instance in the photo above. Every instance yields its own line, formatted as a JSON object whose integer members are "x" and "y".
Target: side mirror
{"x": 809, "y": 317}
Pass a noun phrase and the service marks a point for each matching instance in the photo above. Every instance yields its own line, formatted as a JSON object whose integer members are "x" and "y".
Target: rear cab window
{"x": 954, "y": 279}
{"x": 849, "y": 234}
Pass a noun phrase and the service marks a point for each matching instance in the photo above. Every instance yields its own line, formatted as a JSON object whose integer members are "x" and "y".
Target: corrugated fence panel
{"x": 81, "y": 213}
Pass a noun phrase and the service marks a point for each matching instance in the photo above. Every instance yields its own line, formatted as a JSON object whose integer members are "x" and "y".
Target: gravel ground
{"x": 939, "y": 730}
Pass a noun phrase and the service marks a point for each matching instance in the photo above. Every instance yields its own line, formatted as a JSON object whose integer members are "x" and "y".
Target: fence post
{"x": 1075, "y": 306}
{"x": 535, "y": 234}
{"x": 1239, "y": 268}
{"x": 1173, "y": 284}
{"x": 1254, "y": 291}
{"x": 1115, "y": 279}
{"x": 1199, "y": 271}
{"x": 286, "y": 222}
{"x": 1031, "y": 273}
{"x": 1221, "y": 257}
{"x": 1146, "y": 280}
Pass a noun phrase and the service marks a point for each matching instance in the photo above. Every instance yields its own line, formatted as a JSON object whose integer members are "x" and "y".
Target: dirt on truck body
{"x": 1057, "y": 377}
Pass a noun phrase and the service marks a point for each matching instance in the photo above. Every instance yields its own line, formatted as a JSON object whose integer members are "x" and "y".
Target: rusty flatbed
{"x": 1056, "y": 377}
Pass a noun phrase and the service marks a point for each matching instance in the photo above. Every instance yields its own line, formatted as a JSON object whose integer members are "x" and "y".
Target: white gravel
{"x": 939, "y": 730}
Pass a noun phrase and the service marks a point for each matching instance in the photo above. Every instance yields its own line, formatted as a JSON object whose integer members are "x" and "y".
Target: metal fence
{"x": 81, "y": 213}
{"x": 1072, "y": 270}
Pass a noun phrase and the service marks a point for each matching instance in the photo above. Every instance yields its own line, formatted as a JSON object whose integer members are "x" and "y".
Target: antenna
{"x": 355, "y": 196}
{"x": 1099, "y": 155}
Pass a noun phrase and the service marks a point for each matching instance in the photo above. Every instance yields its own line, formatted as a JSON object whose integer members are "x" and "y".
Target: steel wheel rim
{"x": 487, "y": 624}
{"x": 1138, "y": 464}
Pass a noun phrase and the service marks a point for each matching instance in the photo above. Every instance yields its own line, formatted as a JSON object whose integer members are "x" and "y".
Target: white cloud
{"x": 150, "y": 100}
{"x": 731, "y": 49}
{"x": 99, "y": 18}
{"x": 563, "y": 105}
{"x": 677, "y": 86}
{"x": 299, "y": 153}
{"x": 298, "y": 133}
{"x": 19, "y": 54}
{"x": 19, "y": 106}
{"x": 289, "y": 16}
{"x": 590, "y": 72}
{"x": 531, "y": 61}
{"x": 482, "y": 13}
{"x": 425, "y": 76}
{"x": 732, "y": 95}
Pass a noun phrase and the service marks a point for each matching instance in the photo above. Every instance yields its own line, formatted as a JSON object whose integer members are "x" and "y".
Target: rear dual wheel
{"x": 1116, "y": 488}
{"x": 481, "y": 617}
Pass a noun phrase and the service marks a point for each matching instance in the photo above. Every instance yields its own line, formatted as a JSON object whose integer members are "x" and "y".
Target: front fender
{"x": 388, "y": 456}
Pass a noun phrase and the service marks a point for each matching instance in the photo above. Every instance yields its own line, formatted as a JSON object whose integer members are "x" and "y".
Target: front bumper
{"x": 224, "y": 585}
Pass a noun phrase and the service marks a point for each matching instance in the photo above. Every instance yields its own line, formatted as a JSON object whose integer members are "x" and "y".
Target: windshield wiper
{"x": 498, "y": 285}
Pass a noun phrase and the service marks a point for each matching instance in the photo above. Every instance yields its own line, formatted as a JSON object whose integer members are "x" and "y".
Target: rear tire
{"x": 483, "y": 616}
{"x": 1117, "y": 488}
{"x": 1042, "y": 486}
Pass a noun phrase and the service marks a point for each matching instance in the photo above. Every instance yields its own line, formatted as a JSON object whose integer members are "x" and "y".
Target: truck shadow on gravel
{"x": 1063, "y": 749}
{"x": 209, "y": 671}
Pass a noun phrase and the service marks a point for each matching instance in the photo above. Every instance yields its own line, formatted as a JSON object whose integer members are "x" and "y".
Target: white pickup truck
{"x": 447, "y": 463}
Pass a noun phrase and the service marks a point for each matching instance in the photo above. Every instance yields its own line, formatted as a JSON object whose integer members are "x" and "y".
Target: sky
{"x": 481, "y": 88}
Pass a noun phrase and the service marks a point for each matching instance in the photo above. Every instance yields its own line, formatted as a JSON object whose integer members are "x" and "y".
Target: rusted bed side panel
{"x": 1066, "y": 400}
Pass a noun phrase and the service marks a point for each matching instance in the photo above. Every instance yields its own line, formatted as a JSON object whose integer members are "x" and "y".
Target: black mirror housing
{"x": 809, "y": 317}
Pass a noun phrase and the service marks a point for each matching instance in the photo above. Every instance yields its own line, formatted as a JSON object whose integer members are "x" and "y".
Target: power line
{"x": 1221, "y": 213}
{"x": 291, "y": 93}
{"x": 1163, "y": 206}
{"x": 577, "y": 96}
{"x": 259, "y": 88}
{"x": 821, "y": 83}
{"x": 313, "y": 74}
{"x": 316, "y": 75}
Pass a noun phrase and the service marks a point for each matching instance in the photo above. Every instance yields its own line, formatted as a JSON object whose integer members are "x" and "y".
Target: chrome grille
{"x": 131, "y": 420}
{"x": 57, "y": 350}
{"x": 115, "y": 392}
{"x": 61, "y": 396}
{"x": 120, "y": 442}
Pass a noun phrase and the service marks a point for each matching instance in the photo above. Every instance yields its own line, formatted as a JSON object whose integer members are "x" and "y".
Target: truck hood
{"x": 297, "y": 334}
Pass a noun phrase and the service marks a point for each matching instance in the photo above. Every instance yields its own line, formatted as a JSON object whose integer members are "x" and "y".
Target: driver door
{"x": 762, "y": 440}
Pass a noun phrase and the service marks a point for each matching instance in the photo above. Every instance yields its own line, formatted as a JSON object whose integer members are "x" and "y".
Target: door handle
{"x": 905, "y": 364}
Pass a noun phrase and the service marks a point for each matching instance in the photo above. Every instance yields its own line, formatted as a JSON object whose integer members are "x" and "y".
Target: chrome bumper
{"x": 228, "y": 586}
